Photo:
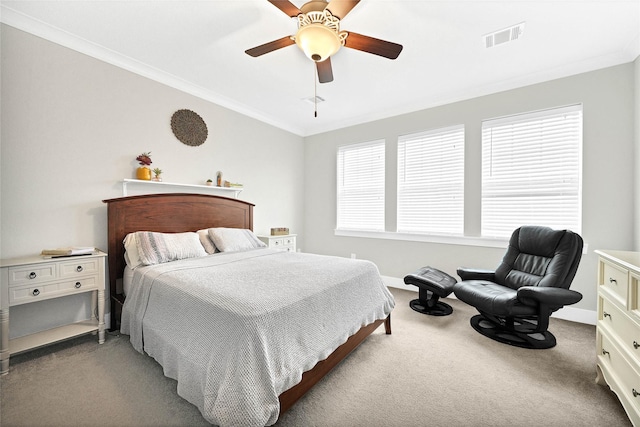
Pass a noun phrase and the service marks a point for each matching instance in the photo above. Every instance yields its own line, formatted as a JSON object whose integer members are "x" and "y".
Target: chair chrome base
{"x": 437, "y": 308}
{"x": 517, "y": 338}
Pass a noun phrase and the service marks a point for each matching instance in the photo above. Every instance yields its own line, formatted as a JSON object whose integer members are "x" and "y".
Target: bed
{"x": 262, "y": 374}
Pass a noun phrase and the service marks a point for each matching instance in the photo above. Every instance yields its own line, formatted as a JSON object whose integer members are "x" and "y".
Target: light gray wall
{"x": 71, "y": 129}
{"x": 608, "y": 195}
{"x": 72, "y": 125}
{"x": 636, "y": 181}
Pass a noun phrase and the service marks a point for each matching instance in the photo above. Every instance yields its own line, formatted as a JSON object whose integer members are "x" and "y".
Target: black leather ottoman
{"x": 432, "y": 284}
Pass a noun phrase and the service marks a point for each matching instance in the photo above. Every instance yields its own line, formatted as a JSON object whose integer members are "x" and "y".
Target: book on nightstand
{"x": 67, "y": 252}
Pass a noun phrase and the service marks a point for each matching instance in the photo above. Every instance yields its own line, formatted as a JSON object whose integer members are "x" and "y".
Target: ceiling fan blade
{"x": 287, "y": 7}
{"x": 372, "y": 45}
{"x": 325, "y": 73}
{"x": 340, "y": 8}
{"x": 270, "y": 47}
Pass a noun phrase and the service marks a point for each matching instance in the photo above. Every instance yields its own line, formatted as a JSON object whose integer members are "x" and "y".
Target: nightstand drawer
{"x": 282, "y": 243}
{"x": 78, "y": 267}
{"x": 31, "y": 274}
{"x": 32, "y": 293}
{"x": 276, "y": 243}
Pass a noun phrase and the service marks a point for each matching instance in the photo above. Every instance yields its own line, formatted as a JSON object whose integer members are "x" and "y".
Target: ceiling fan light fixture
{"x": 317, "y": 41}
{"x": 319, "y": 35}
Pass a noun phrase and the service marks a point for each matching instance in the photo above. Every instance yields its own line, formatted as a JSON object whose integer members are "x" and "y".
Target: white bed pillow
{"x": 131, "y": 256}
{"x": 157, "y": 248}
{"x": 234, "y": 239}
{"x": 207, "y": 244}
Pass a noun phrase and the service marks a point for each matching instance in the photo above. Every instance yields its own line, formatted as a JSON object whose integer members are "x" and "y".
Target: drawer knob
{"x": 605, "y": 314}
{"x": 32, "y": 275}
{"x": 78, "y": 284}
{"x": 36, "y": 292}
{"x": 79, "y": 268}
{"x": 635, "y": 393}
{"x": 636, "y": 345}
{"x": 605, "y": 352}
{"x": 612, "y": 280}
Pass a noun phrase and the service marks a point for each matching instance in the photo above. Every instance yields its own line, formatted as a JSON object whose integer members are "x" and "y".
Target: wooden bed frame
{"x": 175, "y": 213}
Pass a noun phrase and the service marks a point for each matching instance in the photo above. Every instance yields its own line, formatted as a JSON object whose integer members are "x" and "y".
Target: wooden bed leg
{"x": 387, "y": 324}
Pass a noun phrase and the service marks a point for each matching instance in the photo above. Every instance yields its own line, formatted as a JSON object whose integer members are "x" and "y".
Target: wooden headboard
{"x": 165, "y": 213}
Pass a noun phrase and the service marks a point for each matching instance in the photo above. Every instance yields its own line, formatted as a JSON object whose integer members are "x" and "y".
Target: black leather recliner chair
{"x": 516, "y": 300}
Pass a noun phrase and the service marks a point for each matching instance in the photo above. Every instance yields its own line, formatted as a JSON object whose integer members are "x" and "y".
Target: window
{"x": 431, "y": 182}
{"x": 361, "y": 186}
{"x": 531, "y": 171}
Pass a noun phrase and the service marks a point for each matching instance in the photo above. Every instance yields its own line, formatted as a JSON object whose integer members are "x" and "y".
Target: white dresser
{"x": 618, "y": 327}
{"x": 283, "y": 243}
{"x": 31, "y": 279}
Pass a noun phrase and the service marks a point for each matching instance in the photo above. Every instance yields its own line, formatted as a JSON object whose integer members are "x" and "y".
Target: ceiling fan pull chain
{"x": 315, "y": 90}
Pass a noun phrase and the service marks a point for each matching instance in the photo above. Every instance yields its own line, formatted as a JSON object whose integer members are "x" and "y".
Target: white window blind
{"x": 361, "y": 188}
{"x": 431, "y": 182}
{"x": 531, "y": 171}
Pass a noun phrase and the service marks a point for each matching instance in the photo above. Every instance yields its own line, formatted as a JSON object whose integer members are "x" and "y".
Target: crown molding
{"x": 61, "y": 37}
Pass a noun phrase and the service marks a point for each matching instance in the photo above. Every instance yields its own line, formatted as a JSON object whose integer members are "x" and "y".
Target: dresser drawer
{"x": 78, "y": 267}
{"x": 34, "y": 292}
{"x": 628, "y": 379}
{"x": 623, "y": 327}
{"x": 36, "y": 273}
{"x": 616, "y": 280}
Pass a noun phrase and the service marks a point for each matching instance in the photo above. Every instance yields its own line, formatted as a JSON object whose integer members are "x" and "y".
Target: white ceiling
{"x": 198, "y": 47}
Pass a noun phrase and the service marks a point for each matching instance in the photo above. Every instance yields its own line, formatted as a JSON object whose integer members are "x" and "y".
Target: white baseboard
{"x": 572, "y": 314}
{"x": 395, "y": 282}
{"x": 579, "y": 315}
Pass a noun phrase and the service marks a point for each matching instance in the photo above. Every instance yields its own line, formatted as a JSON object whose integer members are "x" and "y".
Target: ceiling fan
{"x": 319, "y": 35}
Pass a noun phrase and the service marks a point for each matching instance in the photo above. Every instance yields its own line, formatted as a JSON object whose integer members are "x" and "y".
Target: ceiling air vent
{"x": 314, "y": 99}
{"x": 503, "y": 36}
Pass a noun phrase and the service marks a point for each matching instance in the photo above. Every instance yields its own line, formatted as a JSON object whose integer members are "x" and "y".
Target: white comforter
{"x": 238, "y": 329}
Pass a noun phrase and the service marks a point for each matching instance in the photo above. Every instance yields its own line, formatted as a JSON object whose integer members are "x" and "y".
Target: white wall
{"x": 608, "y": 195}
{"x": 71, "y": 129}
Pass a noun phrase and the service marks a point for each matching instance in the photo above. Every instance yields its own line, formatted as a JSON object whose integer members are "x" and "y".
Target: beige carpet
{"x": 432, "y": 371}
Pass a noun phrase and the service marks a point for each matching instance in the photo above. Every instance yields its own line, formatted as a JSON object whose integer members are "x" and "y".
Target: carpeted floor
{"x": 434, "y": 371}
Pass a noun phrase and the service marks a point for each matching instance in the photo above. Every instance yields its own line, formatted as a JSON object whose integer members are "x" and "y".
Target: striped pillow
{"x": 234, "y": 239}
{"x": 156, "y": 248}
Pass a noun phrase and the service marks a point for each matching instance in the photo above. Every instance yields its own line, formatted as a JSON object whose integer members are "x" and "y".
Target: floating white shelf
{"x": 212, "y": 188}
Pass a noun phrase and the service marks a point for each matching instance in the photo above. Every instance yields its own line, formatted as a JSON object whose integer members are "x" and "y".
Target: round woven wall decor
{"x": 189, "y": 127}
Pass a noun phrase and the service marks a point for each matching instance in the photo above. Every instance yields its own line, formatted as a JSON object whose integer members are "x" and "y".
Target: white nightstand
{"x": 31, "y": 279}
{"x": 283, "y": 243}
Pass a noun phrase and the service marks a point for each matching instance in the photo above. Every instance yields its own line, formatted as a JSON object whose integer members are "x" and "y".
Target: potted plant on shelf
{"x": 143, "y": 172}
{"x": 156, "y": 174}
{"x": 209, "y": 182}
